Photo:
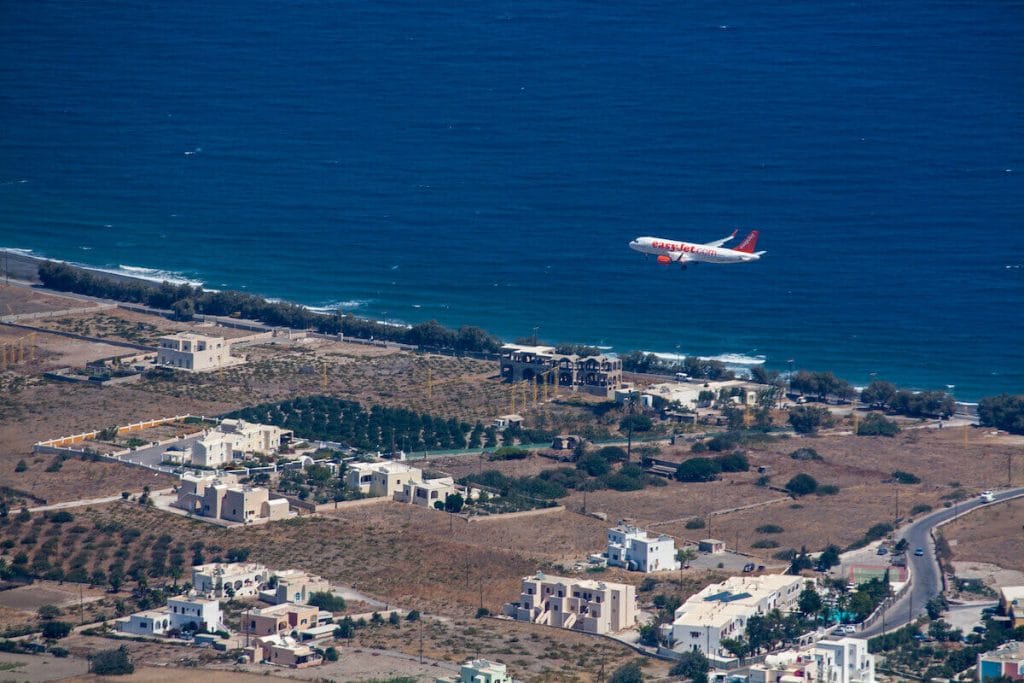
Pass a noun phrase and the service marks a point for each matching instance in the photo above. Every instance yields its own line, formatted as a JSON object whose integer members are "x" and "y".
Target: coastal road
{"x": 926, "y": 579}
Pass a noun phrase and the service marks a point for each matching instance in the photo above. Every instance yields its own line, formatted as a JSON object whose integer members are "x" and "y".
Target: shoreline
{"x": 21, "y": 265}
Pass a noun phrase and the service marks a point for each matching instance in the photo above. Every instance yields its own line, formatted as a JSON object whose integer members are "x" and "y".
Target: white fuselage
{"x": 688, "y": 252}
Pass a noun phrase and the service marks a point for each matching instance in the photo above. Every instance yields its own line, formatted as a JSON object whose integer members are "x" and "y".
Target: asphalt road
{"x": 926, "y": 579}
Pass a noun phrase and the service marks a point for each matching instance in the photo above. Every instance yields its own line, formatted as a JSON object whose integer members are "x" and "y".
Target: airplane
{"x": 683, "y": 253}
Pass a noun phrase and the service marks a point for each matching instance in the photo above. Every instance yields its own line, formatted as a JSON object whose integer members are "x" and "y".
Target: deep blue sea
{"x": 487, "y": 163}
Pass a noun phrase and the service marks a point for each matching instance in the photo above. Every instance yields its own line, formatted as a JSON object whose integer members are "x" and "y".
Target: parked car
{"x": 849, "y": 628}
{"x": 987, "y": 496}
{"x": 748, "y": 567}
{"x": 882, "y": 550}
{"x": 919, "y": 552}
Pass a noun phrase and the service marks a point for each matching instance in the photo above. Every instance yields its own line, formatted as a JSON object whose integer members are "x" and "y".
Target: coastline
{"x": 21, "y": 265}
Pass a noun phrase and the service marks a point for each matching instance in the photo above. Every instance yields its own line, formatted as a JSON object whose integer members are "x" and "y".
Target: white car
{"x": 849, "y": 628}
{"x": 987, "y": 496}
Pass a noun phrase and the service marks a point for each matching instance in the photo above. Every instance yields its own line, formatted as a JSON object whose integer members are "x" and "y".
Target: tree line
{"x": 185, "y": 301}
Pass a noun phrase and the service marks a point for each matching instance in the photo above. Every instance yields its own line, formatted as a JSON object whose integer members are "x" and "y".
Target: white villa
{"x": 383, "y": 478}
{"x": 590, "y": 606}
{"x": 295, "y": 586}
{"x": 221, "y": 497}
{"x": 195, "y": 352}
{"x": 844, "y": 660}
{"x": 181, "y": 612}
{"x": 480, "y": 671}
{"x": 633, "y": 549}
{"x": 244, "y": 579}
{"x": 721, "y": 610}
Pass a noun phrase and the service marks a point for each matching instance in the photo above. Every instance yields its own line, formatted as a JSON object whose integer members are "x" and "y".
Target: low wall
{"x": 348, "y": 504}
{"x": 514, "y": 515}
{"x": 42, "y": 315}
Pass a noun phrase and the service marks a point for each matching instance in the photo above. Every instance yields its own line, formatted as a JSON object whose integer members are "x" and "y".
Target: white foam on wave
{"x": 333, "y": 306}
{"x": 731, "y": 359}
{"x": 16, "y": 250}
{"x": 150, "y": 274}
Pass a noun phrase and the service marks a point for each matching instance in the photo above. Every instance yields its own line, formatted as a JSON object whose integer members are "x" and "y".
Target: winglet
{"x": 748, "y": 243}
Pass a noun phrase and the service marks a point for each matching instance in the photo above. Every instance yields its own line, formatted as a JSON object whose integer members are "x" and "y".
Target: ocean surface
{"x": 487, "y": 163}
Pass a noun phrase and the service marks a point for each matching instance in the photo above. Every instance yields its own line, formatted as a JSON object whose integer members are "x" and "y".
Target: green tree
{"x": 876, "y": 424}
{"x": 327, "y": 601}
{"x": 737, "y": 647}
{"x": 698, "y": 469}
{"x": 807, "y": 419}
{"x": 627, "y": 673}
{"x": 454, "y": 503}
{"x": 111, "y": 662}
{"x": 21, "y": 466}
{"x": 802, "y": 485}
{"x": 829, "y": 557}
{"x": 1004, "y": 411}
{"x": 692, "y": 665}
{"x": 54, "y": 630}
{"x": 878, "y": 393}
{"x": 809, "y": 601}
{"x": 47, "y": 612}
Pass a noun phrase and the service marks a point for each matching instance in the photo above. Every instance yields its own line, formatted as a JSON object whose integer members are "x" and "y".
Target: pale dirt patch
{"x": 993, "y": 534}
{"x": 38, "y": 668}
{"x": 992, "y": 575}
{"x": 15, "y": 300}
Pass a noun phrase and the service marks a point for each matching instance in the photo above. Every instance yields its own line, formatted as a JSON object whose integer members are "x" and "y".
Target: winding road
{"x": 925, "y": 575}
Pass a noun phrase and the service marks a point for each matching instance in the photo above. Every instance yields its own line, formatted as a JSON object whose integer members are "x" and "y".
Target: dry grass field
{"x": 993, "y": 534}
{"x": 16, "y": 300}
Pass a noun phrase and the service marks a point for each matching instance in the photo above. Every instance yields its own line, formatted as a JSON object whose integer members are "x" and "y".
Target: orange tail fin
{"x": 748, "y": 243}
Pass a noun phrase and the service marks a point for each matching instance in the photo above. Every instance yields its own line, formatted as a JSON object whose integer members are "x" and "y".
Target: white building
{"x": 152, "y": 622}
{"x": 251, "y": 437}
{"x": 633, "y": 549}
{"x": 480, "y": 671}
{"x": 244, "y": 579}
{"x": 221, "y": 497}
{"x": 590, "y": 606}
{"x": 185, "y": 612}
{"x": 721, "y": 610}
{"x": 845, "y": 660}
{"x": 380, "y": 478}
{"x": 214, "y": 450}
{"x": 295, "y": 586}
{"x": 427, "y": 492}
{"x": 196, "y": 352}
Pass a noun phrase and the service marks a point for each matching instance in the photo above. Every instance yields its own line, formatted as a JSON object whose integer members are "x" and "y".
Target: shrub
{"x": 805, "y": 454}
{"x": 878, "y": 531}
{"x": 111, "y": 662}
{"x": 827, "y": 490}
{"x": 327, "y": 601}
{"x": 21, "y": 466}
{"x": 53, "y": 630}
{"x": 769, "y": 529}
{"x": 764, "y": 543}
{"x": 62, "y": 517}
{"x": 876, "y": 424}
{"x": 786, "y": 555}
{"x": 920, "y": 508}
{"x": 698, "y": 469}
{"x": 807, "y": 419}
{"x": 413, "y": 615}
{"x": 802, "y": 485}
{"x": 483, "y": 612}
{"x": 902, "y": 477}
{"x": 692, "y": 665}
{"x": 734, "y": 462}
{"x": 331, "y": 654}
{"x": 695, "y": 523}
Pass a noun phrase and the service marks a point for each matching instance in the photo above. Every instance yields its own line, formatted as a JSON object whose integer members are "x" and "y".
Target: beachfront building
{"x": 722, "y": 610}
{"x": 225, "y": 580}
{"x": 1011, "y": 603}
{"x": 845, "y": 660}
{"x": 293, "y": 585}
{"x": 282, "y": 650}
{"x": 283, "y": 618}
{"x": 195, "y": 352}
{"x": 590, "y": 606}
{"x": 599, "y": 375}
{"x": 1006, "y": 661}
{"x": 222, "y": 497}
{"x": 633, "y": 549}
{"x": 479, "y": 671}
{"x": 381, "y": 479}
{"x": 190, "y": 612}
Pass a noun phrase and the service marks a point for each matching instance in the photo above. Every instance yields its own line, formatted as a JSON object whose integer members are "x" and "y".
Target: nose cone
{"x": 635, "y": 244}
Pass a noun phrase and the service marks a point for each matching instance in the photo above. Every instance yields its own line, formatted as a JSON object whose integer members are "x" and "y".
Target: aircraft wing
{"x": 718, "y": 243}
